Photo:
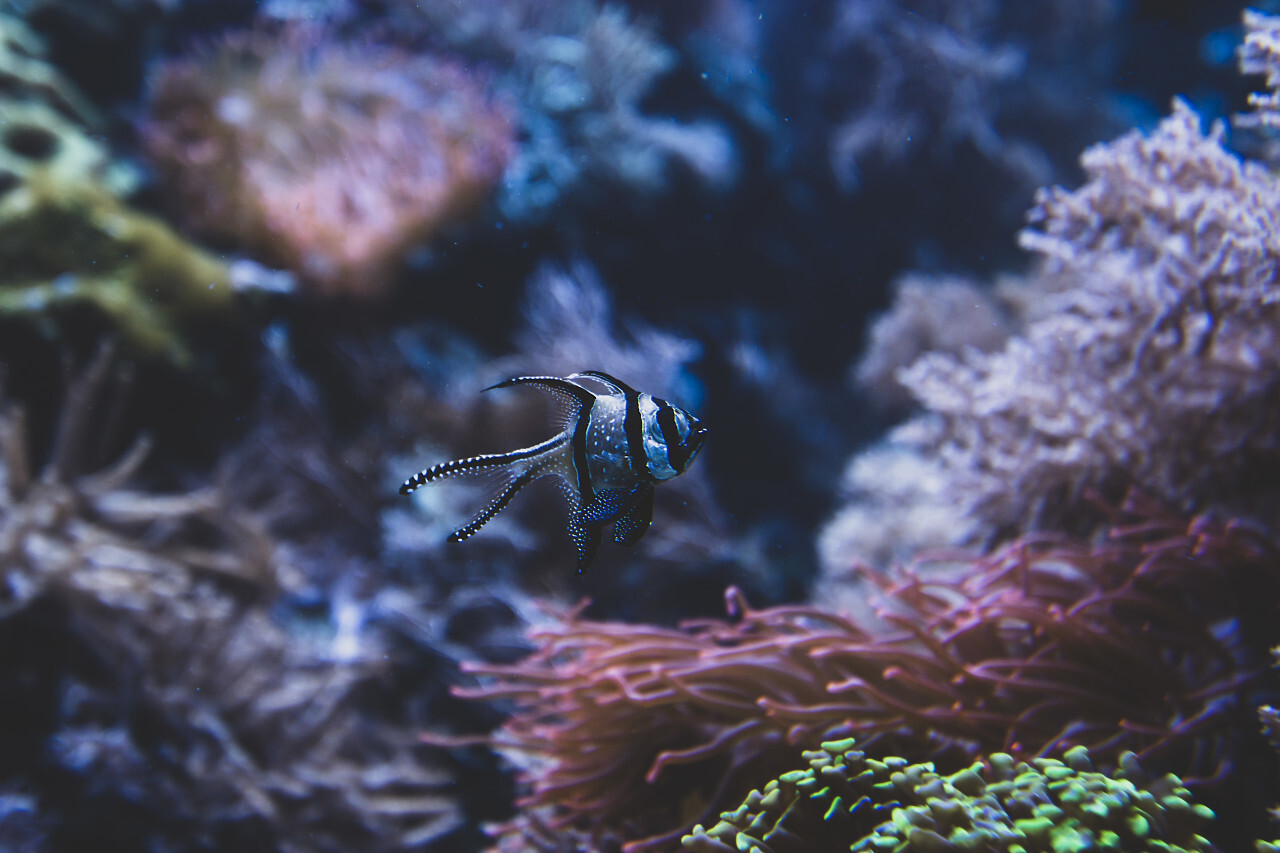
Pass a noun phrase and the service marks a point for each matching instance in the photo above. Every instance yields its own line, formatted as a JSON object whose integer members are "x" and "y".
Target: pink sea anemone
{"x": 626, "y": 731}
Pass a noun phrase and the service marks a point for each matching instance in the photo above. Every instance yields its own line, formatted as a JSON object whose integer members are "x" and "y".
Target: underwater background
{"x": 979, "y": 300}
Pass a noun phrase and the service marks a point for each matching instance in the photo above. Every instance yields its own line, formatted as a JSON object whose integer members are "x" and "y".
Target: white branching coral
{"x": 943, "y": 313}
{"x": 1151, "y": 359}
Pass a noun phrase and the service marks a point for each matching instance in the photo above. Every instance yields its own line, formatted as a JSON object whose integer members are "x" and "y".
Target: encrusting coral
{"x": 174, "y": 705}
{"x": 67, "y": 239}
{"x": 332, "y": 158}
{"x": 844, "y": 800}
{"x": 621, "y": 730}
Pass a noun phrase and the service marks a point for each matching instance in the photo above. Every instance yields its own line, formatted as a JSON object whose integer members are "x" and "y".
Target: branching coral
{"x": 846, "y": 801}
{"x": 1045, "y": 644}
{"x": 83, "y": 535}
{"x": 1147, "y": 357}
{"x": 944, "y": 314}
{"x": 136, "y": 622}
{"x": 331, "y": 158}
{"x": 1260, "y": 54}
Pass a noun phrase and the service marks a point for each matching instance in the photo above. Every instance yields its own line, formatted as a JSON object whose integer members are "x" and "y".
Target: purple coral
{"x": 1148, "y": 356}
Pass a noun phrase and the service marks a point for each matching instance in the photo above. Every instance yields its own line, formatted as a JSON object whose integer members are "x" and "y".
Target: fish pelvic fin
{"x": 615, "y": 384}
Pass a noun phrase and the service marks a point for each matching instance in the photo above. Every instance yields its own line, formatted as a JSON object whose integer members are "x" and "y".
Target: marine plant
{"x": 330, "y": 157}
{"x": 1047, "y": 643}
{"x": 844, "y": 800}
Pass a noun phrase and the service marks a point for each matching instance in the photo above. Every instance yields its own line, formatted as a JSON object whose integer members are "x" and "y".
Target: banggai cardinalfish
{"x": 613, "y": 448}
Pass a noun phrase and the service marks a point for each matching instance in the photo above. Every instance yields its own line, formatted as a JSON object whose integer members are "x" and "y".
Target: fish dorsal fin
{"x": 575, "y": 401}
{"x": 615, "y": 384}
{"x": 635, "y": 521}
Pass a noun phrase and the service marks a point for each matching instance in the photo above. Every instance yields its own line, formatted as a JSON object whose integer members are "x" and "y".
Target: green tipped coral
{"x": 846, "y": 801}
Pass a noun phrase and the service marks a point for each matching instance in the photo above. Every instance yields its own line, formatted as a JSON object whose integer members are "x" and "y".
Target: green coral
{"x": 66, "y": 238}
{"x": 846, "y": 801}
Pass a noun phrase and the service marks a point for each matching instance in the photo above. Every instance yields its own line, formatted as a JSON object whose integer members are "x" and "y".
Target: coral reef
{"x": 1047, "y": 643}
{"x": 153, "y": 699}
{"x": 915, "y": 90}
{"x": 1149, "y": 328}
{"x": 847, "y": 801}
{"x": 332, "y": 158}
{"x": 578, "y": 71}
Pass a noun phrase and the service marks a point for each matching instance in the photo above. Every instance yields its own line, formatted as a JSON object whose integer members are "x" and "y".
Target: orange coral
{"x": 329, "y": 158}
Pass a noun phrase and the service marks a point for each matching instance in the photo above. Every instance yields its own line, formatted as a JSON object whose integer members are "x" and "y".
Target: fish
{"x": 613, "y": 448}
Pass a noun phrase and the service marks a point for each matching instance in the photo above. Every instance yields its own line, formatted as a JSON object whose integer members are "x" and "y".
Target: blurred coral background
{"x": 980, "y": 302}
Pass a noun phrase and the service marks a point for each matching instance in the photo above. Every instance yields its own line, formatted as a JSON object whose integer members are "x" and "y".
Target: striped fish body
{"x": 614, "y": 447}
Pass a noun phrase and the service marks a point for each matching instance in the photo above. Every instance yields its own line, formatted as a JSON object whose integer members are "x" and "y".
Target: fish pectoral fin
{"x": 634, "y": 522}
{"x": 607, "y": 505}
{"x": 616, "y": 385}
{"x": 586, "y": 538}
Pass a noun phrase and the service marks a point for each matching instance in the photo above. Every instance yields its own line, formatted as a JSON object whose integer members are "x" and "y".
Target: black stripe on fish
{"x": 581, "y": 463}
{"x": 632, "y": 422}
{"x": 677, "y": 453}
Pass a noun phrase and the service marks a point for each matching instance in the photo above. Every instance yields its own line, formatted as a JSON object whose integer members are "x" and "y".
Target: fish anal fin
{"x": 586, "y": 538}
{"x": 634, "y": 522}
{"x": 607, "y": 505}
